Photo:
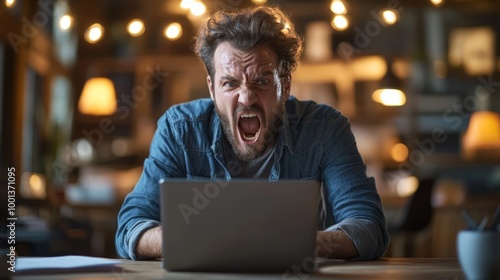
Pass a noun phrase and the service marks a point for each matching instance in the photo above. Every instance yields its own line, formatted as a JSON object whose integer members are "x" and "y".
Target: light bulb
{"x": 65, "y": 22}
{"x": 338, "y": 7}
{"x": 340, "y": 22}
{"x": 94, "y": 33}
{"x": 136, "y": 27}
{"x": 173, "y": 31}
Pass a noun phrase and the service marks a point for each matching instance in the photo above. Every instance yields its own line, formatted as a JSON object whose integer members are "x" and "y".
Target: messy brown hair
{"x": 247, "y": 28}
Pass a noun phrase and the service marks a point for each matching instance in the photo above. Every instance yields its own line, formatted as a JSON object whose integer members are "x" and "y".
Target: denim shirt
{"x": 314, "y": 142}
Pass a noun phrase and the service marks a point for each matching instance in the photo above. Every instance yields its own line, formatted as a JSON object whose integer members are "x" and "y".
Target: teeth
{"x": 245, "y": 137}
{"x": 249, "y": 138}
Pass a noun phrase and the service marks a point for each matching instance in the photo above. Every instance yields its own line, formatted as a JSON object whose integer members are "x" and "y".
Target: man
{"x": 252, "y": 128}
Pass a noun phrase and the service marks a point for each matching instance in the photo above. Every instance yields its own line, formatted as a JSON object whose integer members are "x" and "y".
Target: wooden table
{"x": 390, "y": 268}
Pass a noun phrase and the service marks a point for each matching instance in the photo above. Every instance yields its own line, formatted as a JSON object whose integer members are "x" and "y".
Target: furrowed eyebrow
{"x": 229, "y": 78}
{"x": 264, "y": 75}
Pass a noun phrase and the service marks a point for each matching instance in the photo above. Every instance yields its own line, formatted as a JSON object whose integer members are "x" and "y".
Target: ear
{"x": 210, "y": 87}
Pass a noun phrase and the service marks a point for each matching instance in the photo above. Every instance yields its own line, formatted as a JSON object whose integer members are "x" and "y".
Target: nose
{"x": 247, "y": 95}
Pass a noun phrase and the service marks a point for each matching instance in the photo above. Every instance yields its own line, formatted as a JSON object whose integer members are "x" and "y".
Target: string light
{"x": 338, "y": 7}
{"x": 173, "y": 31}
{"x": 198, "y": 8}
{"x": 187, "y": 4}
{"x": 390, "y": 16}
{"x": 437, "y": 3}
{"x": 340, "y": 22}
{"x": 94, "y": 33}
{"x": 10, "y": 3}
{"x": 65, "y": 22}
{"x": 136, "y": 27}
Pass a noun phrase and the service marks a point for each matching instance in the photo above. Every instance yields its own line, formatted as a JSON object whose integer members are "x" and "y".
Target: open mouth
{"x": 249, "y": 126}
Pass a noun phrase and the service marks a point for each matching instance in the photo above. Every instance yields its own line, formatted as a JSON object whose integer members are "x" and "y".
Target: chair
{"x": 417, "y": 216}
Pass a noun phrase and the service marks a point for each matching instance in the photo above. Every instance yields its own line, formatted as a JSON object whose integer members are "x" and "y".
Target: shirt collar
{"x": 216, "y": 124}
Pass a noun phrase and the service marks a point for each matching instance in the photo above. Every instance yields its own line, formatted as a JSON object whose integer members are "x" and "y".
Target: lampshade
{"x": 482, "y": 135}
{"x": 389, "y": 97}
{"x": 98, "y": 97}
{"x": 390, "y": 92}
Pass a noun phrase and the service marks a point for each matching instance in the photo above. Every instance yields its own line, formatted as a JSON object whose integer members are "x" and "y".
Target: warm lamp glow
{"x": 98, "y": 97}
{"x": 340, "y": 22}
{"x": 136, "y": 27}
{"x": 65, "y": 22}
{"x": 370, "y": 67}
{"x": 186, "y": 4}
{"x": 10, "y": 3}
{"x": 399, "y": 152}
{"x": 437, "y": 3}
{"x": 407, "y": 186}
{"x": 198, "y": 8}
{"x": 338, "y": 7}
{"x": 259, "y": 2}
{"x": 483, "y": 133}
{"x": 94, "y": 33}
{"x": 37, "y": 185}
{"x": 389, "y": 93}
{"x": 389, "y": 97}
{"x": 33, "y": 185}
{"x": 390, "y": 16}
{"x": 173, "y": 31}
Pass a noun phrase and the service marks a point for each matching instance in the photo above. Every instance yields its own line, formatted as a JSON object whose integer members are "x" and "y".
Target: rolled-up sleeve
{"x": 351, "y": 199}
{"x": 140, "y": 210}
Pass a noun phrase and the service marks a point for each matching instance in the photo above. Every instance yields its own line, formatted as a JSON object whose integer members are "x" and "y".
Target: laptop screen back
{"x": 239, "y": 225}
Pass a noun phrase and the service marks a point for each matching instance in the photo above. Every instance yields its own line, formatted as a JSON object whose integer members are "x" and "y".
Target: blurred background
{"x": 82, "y": 84}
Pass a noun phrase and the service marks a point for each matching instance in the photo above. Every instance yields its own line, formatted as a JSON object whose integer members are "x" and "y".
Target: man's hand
{"x": 334, "y": 245}
{"x": 150, "y": 244}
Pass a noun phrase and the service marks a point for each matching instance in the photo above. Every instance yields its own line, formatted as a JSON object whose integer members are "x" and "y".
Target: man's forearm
{"x": 329, "y": 244}
{"x": 150, "y": 244}
{"x": 334, "y": 245}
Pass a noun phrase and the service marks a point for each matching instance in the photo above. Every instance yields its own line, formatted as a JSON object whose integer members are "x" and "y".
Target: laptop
{"x": 238, "y": 225}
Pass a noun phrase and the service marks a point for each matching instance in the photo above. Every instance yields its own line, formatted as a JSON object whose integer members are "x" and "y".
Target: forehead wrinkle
{"x": 246, "y": 63}
{"x": 228, "y": 63}
{"x": 255, "y": 62}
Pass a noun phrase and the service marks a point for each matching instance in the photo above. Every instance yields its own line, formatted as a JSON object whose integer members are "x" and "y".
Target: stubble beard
{"x": 270, "y": 129}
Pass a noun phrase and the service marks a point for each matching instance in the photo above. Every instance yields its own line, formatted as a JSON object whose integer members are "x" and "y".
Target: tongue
{"x": 250, "y": 126}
